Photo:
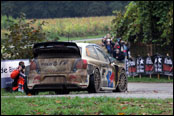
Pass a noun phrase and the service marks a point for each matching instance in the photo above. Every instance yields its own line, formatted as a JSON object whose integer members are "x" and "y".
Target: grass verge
{"x": 154, "y": 79}
{"x": 85, "y": 106}
{"x": 5, "y": 92}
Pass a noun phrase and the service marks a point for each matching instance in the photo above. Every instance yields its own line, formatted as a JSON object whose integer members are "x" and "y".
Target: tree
{"x": 150, "y": 22}
{"x": 57, "y": 9}
{"x": 22, "y": 35}
{"x": 97, "y": 9}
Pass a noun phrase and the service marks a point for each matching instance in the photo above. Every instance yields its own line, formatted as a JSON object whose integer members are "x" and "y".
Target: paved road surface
{"x": 88, "y": 39}
{"x": 136, "y": 90}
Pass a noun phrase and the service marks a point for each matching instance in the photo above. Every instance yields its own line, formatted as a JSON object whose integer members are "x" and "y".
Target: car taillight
{"x": 81, "y": 64}
{"x": 33, "y": 65}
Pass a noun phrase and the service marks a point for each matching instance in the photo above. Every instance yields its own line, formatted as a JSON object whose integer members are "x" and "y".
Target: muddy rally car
{"x": 66, "y": 66}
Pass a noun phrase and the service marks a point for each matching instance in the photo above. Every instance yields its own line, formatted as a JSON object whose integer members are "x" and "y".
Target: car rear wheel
{"x": 95, "y": 82}
{"x": 122, "y": 85}
{"x": 29, "y": 91}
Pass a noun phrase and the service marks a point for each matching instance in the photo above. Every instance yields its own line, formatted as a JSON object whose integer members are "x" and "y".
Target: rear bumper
{"x": 78, "y": 80}
{"x": 57, "y": 87}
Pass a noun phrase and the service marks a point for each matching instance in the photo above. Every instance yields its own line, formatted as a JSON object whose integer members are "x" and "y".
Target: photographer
{"x": 18, "y": 76}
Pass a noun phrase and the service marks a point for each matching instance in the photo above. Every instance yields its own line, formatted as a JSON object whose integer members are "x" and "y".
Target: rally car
{"x": 67, "y": 66}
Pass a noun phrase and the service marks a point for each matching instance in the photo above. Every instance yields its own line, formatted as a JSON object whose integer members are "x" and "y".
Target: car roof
{"x": 85, "y": 44}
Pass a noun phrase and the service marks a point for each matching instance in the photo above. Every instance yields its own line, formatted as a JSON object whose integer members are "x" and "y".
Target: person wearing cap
{"x": 108, "y": 43}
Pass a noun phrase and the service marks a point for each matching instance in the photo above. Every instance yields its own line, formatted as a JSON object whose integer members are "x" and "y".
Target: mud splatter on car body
{"x": 67, "y": 65}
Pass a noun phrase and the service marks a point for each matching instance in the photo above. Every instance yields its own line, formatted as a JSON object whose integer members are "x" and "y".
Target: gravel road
{"x": 135, "y": 90}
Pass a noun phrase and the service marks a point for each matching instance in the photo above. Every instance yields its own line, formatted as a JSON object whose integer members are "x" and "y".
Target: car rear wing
{"x": 57, "y": 49}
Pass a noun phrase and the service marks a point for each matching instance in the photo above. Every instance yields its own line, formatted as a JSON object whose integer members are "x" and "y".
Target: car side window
{"x": 90, "y": 51}
{"x": 101, "y": 55}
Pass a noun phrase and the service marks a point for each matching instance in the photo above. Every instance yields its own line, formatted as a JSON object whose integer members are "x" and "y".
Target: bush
{"x": 17, "y": 44}
{"x": 7, "y": 21}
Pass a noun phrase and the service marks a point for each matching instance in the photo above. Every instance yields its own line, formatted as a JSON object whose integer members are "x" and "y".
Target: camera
{"x": 23, "y": 66}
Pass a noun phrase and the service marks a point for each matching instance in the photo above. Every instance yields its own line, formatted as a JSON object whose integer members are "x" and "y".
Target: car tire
{"x": 29, "y": 91}
{"x": 95, "y": 82}
{"x": 122, "y": 85}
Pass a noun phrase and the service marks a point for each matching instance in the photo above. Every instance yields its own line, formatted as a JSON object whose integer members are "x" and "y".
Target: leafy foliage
{"x": 6, "y": 21}
{"x": 149, "y": 22}
{"x": 18, "y": 42}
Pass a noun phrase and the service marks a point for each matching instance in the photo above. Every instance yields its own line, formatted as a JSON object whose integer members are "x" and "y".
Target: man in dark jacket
{"x": 119, "y": 55}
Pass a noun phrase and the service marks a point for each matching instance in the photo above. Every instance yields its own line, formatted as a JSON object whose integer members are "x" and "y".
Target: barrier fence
{"x": 158, "y": 64}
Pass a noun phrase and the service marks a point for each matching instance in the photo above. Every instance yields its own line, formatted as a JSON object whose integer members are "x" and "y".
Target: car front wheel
{"x": 122, "y": 85}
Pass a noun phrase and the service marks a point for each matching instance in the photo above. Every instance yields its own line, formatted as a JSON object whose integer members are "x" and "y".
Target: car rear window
{"x": 57, "y": 52}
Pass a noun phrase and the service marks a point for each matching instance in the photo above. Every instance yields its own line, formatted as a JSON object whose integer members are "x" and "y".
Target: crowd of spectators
{"x": 119, "y": 49}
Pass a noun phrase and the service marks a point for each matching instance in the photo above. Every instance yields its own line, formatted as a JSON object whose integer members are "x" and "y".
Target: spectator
{"x": 104, "y": 41}
{"x": 128, "y": 49}
{"x": 108, "y": 46}
{"x": 118, "y": 44}
{"x": 119, "y": 55}
{"x": 125, "y": 49}
{"x": 109, "y": 43}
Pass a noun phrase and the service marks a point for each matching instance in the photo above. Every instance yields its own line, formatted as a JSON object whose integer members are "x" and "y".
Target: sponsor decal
{"x": 37, "y": 79}
{"x": 55, "y": 63}
{"x": 110, "y": 78}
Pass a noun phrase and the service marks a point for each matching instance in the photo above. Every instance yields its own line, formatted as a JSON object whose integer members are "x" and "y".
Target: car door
{"x": 107, "y": 73}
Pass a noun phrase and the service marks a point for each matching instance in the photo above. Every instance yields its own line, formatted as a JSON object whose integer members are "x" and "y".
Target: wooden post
{"x": 140, "y": 76}
{"x": 168, "y": 77}
{"x": 150, "y": 76}
{"x": 158, "y": 76}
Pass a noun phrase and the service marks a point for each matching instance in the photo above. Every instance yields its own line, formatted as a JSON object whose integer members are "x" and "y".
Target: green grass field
{"x": 85, "y": 106}
{"x": 71, "y": 27}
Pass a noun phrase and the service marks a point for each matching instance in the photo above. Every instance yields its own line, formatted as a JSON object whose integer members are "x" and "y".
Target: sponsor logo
{"x": 55, "y": 63}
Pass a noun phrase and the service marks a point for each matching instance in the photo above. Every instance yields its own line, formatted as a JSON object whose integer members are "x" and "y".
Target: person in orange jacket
{"x": 18, "y": 76}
